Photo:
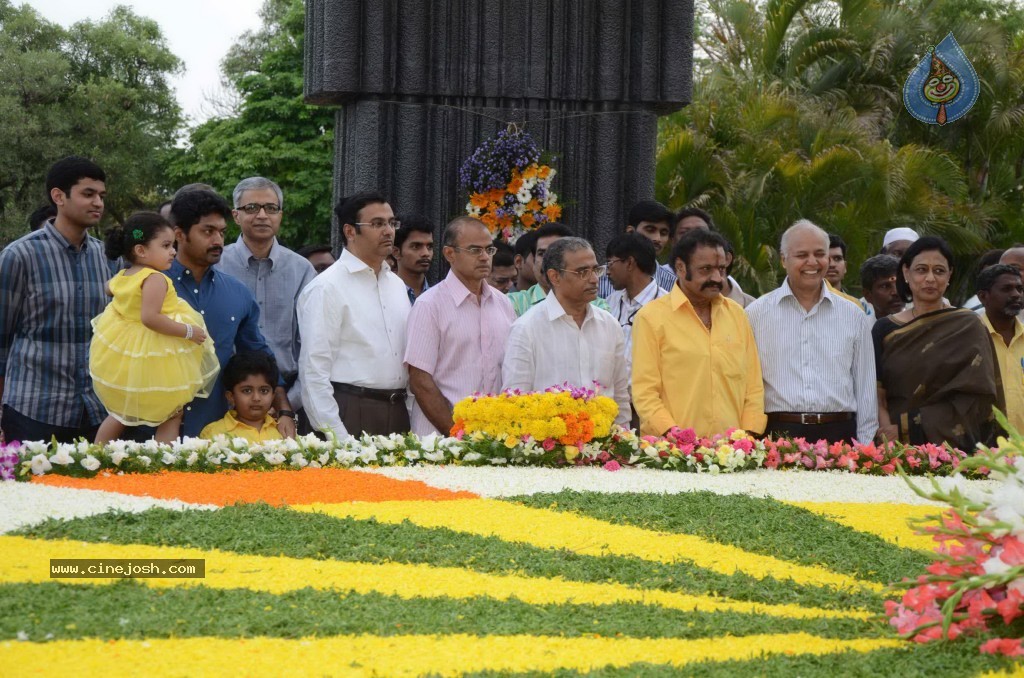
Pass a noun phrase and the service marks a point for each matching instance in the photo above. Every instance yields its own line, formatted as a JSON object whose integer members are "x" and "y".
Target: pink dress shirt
{"x": 459, "y": 340}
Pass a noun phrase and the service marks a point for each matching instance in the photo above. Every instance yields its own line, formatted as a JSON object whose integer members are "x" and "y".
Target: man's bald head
{"x": 1014, "y": 257}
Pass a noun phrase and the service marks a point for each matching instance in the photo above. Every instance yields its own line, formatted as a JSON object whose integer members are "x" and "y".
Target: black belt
{"x": 807, "y": 418}
{"x": 385, "y": 395}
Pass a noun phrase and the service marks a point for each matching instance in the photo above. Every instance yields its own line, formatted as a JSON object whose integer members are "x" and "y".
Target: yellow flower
{"x": 511, "y": 442}
{"x": 739, "y": 434}
{"x": 571, "y": 453}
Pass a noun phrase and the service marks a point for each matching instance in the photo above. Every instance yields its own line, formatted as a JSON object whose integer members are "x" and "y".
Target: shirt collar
{"x": 234, "y": 423}
{"x": 554, "y": 310}
{"x": 178, "y": 269}
{"x": 787, "y": 291}
{"x": 354, "y": 264}
{"x": 1018, "y": 328}
{"x": 647, "y": 294}
{"x": 460, "y": 293}
{"x": 52, "y": 231}
{"x": 272, "y": 256}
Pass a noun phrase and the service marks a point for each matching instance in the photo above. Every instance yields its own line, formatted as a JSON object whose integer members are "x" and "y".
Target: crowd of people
{"x": 164, "y": 330}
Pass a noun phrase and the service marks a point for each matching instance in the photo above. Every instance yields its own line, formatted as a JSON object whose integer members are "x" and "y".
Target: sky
{"x": 199, "y": 32}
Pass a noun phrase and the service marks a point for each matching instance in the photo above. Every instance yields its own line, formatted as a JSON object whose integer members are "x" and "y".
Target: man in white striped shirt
{"x": 816, "y": 353}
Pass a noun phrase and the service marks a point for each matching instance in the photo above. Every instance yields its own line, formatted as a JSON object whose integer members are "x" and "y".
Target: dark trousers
{"x": 370, "y": 415}
{"x": 16, "y": 426}
{"x": 833, "y": 432}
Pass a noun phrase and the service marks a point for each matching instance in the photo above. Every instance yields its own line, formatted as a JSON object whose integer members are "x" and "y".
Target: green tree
{"x": 98, "y": 89}
{"x": 273, "y": 133}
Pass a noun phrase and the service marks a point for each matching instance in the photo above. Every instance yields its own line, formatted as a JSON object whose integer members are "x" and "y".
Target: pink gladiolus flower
{"x": 1013, "y": 551}
{"x": 612, "y": 466}
{"x": 1010, "y": 647}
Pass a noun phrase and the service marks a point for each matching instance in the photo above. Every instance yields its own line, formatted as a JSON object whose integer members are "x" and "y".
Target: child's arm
{"x": 154, "y": 289}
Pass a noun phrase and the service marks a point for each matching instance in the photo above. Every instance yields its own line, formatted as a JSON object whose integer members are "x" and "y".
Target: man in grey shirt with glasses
{"x": 272, "y": 272}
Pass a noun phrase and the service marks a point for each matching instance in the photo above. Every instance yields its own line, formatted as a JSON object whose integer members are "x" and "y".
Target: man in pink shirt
{"x": 457, "y": 330}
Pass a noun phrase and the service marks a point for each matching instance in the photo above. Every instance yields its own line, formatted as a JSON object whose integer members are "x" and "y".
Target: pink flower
{"x": 746, "y": 445}
{"x": 612, "y": 466}
{"x": 1013, "y": 551}
{"x": 1010, "y": 647}
{"x": 548, "y": 444}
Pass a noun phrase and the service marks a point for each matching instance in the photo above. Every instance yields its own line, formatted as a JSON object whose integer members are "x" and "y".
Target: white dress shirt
{"x": 547, "y": 348}
{"x": 822, "y": 360}
{"x": 625, "y": 310}
{"x": 353, "y": 326}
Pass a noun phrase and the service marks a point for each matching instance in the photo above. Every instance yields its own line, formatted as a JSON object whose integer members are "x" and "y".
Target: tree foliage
{"x": 798, "y": 113}
{"x": 99, "y": 89}
{"x": 273, "y": 133}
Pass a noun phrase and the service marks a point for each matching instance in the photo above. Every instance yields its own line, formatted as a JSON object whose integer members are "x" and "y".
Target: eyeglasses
{"x": 613, "y": 260}
{"x": 584, "y": 273}
{"x": 381, "y": 223}
{"x": 255, "y": 207}
{"x": 476, "y": 251}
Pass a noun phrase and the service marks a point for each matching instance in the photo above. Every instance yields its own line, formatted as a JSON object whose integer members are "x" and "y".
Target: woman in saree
{"x": 938, "y": 379}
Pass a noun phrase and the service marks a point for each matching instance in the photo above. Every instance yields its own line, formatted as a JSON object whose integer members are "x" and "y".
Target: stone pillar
{"x": 422, "y": 82}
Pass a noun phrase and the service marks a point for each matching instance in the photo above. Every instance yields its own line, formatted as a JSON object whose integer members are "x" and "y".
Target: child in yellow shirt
{"x": 249, "y": 380}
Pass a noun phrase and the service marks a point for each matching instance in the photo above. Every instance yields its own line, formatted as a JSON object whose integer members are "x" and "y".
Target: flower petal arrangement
{"x": 508, "y": 187}
{"x": 976, "y": 584}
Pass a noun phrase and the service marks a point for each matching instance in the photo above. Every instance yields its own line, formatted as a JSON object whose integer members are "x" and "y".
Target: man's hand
{"x": 286, "y": 425}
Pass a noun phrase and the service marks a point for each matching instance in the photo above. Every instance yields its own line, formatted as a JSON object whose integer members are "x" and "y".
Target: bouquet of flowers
{"x": 508, "y": 186}
{"x": 977, "y": 582}
{"x": 563, "y": 414}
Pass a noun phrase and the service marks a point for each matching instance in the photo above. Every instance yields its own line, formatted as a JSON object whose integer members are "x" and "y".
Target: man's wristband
{"x": 285, "y": 413}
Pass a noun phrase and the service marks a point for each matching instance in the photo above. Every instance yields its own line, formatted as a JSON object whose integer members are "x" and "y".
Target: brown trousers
{"x": 376, "y": 417}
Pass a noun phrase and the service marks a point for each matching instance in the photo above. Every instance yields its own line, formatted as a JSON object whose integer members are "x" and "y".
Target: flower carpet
{"x": 456, "y": 570}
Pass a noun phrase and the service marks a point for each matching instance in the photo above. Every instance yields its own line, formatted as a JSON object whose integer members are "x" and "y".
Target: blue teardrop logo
{"x": 943, "y": 86}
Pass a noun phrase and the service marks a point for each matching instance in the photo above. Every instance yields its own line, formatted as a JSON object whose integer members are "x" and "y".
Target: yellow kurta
{"x": 687, "y": 376}
{"x": 1011, "y": 369}
{"x": 233, "y": 428}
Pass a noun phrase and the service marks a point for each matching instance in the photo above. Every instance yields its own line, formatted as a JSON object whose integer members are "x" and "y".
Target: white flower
{"x": 144, "y": 460}
{"x": 436, "y": 457}
{"x": 117, "y": 457}
{"x": 472, "y": 456}
{"x": 40, "y": 464}
{"x": 498, "y": 461}
{"x": 169, "y": 458}
{"x": 349, "y": 457}
{"x": 299, "y": 461}
{"x": 388, "y": 459}
{"x": 239, "y": 442}
{"x": 152, "y": 445}
{"x": 192, "y": 459}
{"x": 36, "y": 447}
{"x": 22, "y": 636}
{"x": 62, "y": 457}
{"x": 551, "y": 199}
{"x": 82, "y": 447}
{"x": 429, "y": 442}
{"x": 995, "y": 564}
{"x": 368, "y": 454}
{"x": 324, "y": 458}
{"x": 519, "y": 209}
{"x": 90, "y": 463}
{"x": 387, "y": 443}
{"x": 524, "y": 195}
{"x": 274, "y": 458}
{"x": 412, "y": 455}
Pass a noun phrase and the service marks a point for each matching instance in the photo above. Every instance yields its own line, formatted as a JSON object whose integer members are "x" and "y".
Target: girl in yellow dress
{"x": 149, "y": 354}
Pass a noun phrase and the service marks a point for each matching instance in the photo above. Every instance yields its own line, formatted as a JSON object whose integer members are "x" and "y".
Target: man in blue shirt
{"x": 231, "y": 313}
{"x": 52, "y": 284}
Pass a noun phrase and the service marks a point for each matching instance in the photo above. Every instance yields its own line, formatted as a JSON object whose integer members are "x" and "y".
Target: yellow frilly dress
{"x": 142, "y": 376}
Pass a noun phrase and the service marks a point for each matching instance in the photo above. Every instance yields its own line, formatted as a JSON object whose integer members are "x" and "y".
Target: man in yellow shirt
{"x": 695, "y": 363}
{"x": 249, "y": 380}
{"x": 1001, "y": 293}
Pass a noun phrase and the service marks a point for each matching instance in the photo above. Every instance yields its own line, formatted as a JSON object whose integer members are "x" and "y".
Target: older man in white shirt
{"x": 817, "y": 357}
{"x": 352, "y": 319}
{"x": 564, "y": 338}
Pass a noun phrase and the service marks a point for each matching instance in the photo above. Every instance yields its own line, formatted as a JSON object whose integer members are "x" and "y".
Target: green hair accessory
{"x": 137, "y": 234}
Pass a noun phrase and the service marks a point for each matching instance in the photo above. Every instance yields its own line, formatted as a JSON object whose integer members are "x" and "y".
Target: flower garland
{"x": 681, "y": 450}
{"x": 976, "y": 583}
{"x": 561, "y": 414}
{"x": 509, "y": 188}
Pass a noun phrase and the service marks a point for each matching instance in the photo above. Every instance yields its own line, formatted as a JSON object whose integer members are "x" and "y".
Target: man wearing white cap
{"x": 897, "y": 240}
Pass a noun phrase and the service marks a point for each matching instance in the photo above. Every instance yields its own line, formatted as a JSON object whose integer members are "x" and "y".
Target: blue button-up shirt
{"x": 233, "y": 322}
{"x": 50, "y": 291}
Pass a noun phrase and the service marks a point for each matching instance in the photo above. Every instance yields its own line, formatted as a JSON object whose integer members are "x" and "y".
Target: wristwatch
{"x": 285, "y": 413}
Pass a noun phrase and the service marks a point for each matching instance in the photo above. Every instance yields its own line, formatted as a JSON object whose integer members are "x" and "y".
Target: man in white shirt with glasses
{"x": 352, "y": 319}
{"x": 564, "y": 338}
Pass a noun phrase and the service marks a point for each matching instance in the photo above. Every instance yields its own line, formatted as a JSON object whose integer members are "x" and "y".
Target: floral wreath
{"x": 509, "y": 187}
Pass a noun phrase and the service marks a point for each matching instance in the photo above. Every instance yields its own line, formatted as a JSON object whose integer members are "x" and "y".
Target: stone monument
{"x": 420, "y": 83}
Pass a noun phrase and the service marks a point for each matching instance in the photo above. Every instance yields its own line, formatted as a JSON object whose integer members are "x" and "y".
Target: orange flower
{"x": 478, "y": 200}
{"x": 553, "y": 212}
{"x": 530, "y": 172}
{"x": 489, "y": 220}
{"x": 496, "y": 195}
{"x": 527, "y": 219}
{"x": 505, "y": 221}
{"x": 533, "y": 205}
{"x": 543, "y": 171}
{"x": 515, "y": 185}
